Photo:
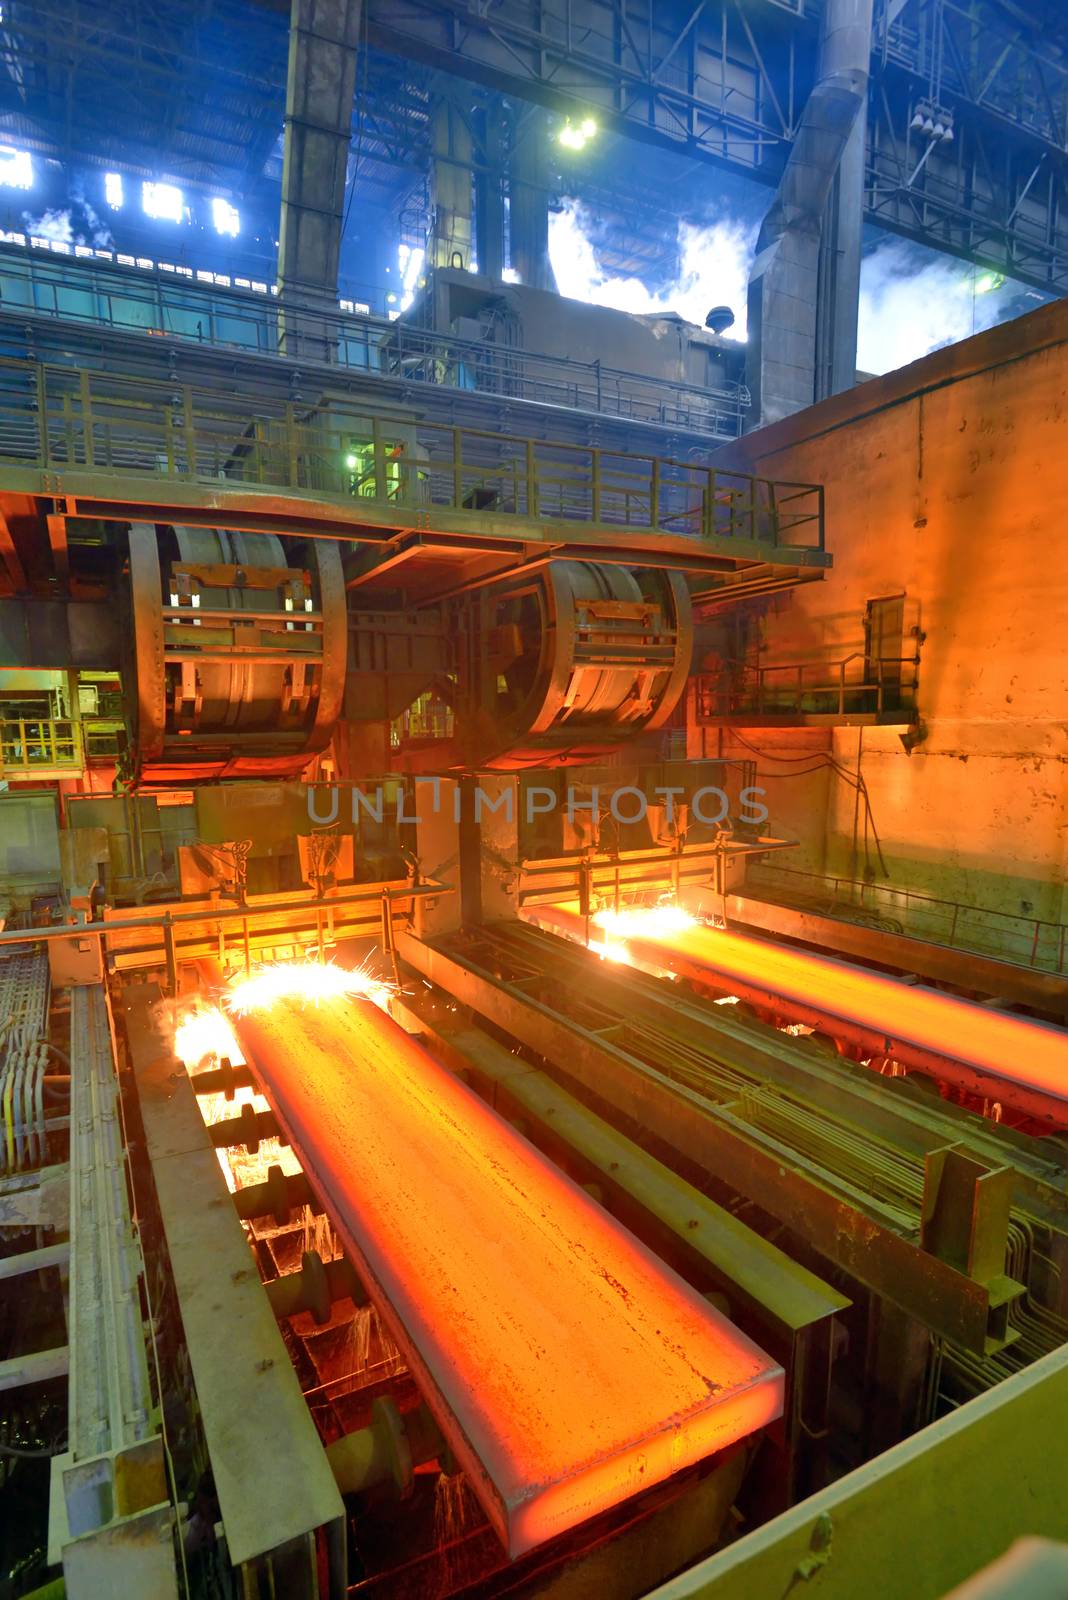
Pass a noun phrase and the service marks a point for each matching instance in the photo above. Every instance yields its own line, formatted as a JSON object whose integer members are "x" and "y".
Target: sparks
{"x": 203, "y": 1032}
{"x": 652, "y": 921}
{"x": 309, "y": 981}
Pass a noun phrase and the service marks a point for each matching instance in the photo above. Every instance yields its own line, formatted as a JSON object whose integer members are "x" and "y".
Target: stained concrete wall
{"x": 949, "y": 480}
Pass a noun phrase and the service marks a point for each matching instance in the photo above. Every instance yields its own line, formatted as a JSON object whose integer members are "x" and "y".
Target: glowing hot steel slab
{"x": 567, "y": 1366}
{"x": 1024, "y": 1063}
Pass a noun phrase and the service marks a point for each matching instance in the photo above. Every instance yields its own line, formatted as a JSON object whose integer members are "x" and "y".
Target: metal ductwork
{"x": 784, "y": 280}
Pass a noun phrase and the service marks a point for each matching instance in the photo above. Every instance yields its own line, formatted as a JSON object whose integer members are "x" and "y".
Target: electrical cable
{"x": 822, "y": 759}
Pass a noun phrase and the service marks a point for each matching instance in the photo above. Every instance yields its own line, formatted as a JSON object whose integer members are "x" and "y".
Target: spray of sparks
{"x": 204, "y": 1033}
{"x": 634, "y": 922}
{"x": 311, "y": 981}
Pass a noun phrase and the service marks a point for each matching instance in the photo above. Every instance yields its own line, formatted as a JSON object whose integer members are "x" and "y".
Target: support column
{"x": 529, "y": 201}
{"x": 784, "y": 280}
{"x": 321, "y": 82}
{"x": 489, "y": 194}
{"x": 451, "y": 243}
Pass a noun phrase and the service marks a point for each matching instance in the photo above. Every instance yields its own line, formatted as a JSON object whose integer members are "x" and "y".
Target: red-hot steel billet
{"x": 1020, "y": 1062}
{"x": 566, "y": 1365}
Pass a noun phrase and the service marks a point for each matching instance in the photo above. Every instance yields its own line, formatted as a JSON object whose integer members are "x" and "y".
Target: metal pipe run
{"x": 566, "y": 1366}
{"x": 1015, "y": 1060}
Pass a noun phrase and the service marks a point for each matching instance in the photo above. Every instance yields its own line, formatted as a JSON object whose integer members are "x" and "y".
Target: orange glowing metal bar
{"x": 1013, "y": 1057}
{"x": 567, "y": 1366}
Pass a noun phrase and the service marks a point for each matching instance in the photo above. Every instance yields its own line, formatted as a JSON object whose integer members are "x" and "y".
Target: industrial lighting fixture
{"x": 162, "y": 201}
{"x": 16, "y": 168}
{"x": 227, "y": 218}
{"x": 986, "y": 281}
{"x": 113, "y": 190}
{"x": 933, "y": 120}
{"x": 576, "y": 135}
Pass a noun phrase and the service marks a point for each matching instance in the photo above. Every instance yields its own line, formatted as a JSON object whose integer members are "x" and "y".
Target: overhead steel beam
{"x": 985, "y": 197}
{"x": 718, "y": 83}
{"x": 726, "y": 82}
{"x": 979, "y": 56}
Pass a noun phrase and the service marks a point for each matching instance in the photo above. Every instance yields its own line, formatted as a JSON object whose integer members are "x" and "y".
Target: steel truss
{"x": 725, "y": 82}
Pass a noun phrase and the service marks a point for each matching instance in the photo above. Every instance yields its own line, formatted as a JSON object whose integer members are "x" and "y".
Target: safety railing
{"x": 63, "y": 418}
{"x": 1005, "y": 935}
{"x": 797, "y": 688}
{"x": 103, "y": 295}
{"x": 30, "y": 743}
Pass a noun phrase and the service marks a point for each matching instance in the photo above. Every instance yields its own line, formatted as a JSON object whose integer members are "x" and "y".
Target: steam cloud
{"x": 61, "y": 228}
{"x": 906, "y": 309}
{"x": 713, "y": 269}
{"x": 54, "y": 225}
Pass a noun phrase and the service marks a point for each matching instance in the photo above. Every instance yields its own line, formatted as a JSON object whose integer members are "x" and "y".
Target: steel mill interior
{"x": 533, "y": 806}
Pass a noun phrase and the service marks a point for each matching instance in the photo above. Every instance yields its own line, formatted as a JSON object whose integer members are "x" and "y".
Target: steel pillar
{"x": 452, "y": 237}
{"x": 320, "y": 85}
{"x": 489, "y": 194}
{"x": 529, "y": 209}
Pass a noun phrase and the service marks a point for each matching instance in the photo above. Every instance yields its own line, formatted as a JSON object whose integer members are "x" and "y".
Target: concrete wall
{"x": 948, "y": 480}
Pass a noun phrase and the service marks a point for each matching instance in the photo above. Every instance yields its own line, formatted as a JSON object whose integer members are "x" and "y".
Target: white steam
{"x": 906, "y": 311}
{"x": 60, "y": 227}
{"x": 713, "y": 269}
{"x": 54, "y": 225}
{"x": 908, "y": 307}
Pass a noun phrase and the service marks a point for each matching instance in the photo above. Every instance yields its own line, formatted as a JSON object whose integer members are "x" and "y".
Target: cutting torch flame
{"x": 206, "y": 1032}
{"x": 634, "y": 922}
{"x": 310, "y": 981}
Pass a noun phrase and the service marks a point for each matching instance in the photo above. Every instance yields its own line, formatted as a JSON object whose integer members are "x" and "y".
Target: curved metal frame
{"x": 161, "y": 753}
{"x": 541, "y": 730}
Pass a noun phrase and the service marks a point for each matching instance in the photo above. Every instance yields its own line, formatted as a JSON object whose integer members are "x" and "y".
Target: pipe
{"x": 784, "y": 279}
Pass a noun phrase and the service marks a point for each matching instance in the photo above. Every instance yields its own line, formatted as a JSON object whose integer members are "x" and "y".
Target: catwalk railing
{"x": 1006, "y": 935}
{"x": 63, "y": 419}
{"x": 215, "y": 315}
